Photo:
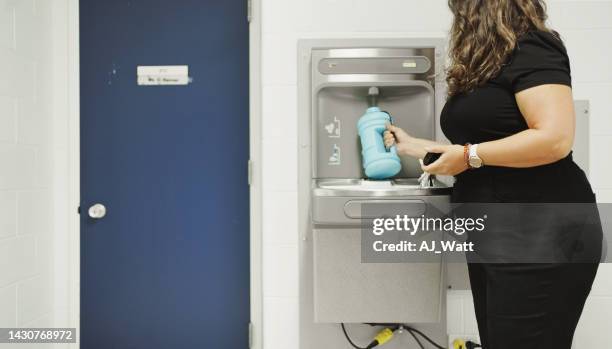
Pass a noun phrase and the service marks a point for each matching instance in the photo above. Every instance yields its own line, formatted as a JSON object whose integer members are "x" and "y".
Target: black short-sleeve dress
{"x": 491, "y": 112}
{"x": 521, "y": 305}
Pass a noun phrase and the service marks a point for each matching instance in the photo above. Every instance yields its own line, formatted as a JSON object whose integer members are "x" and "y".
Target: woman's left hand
{"x": 451, "y": 163}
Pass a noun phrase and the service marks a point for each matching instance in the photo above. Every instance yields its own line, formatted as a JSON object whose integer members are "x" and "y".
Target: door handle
{"x": 97, "y": 211}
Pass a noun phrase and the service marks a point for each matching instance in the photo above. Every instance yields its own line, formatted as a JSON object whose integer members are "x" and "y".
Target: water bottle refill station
{"x": 337, "y": 81}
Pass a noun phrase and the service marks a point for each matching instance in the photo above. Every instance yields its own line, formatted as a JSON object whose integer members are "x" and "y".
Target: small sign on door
{"x": 163, "y": 75}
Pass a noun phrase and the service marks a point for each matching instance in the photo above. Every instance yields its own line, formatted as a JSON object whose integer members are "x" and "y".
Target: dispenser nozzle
{"x": 373, "y": 96}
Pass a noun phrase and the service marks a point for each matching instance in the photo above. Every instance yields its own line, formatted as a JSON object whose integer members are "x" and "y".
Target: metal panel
{"x": 582, "y": 138}
{"x": 388, "y": 208}
{"x": 378, "y": 65}
{"x": 323, "y": 254}
{"x": 411, "y": 106}
{"x": 340, "y": 82}
{"x": 346, "y": 290}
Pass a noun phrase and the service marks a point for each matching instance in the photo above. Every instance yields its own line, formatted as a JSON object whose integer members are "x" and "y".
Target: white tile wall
{"x": 286, "y": 16}
{"x": 461, "y": 319}
{"x": 8, "y": 214}
{"x": 34, "y": 215}
{"x": 601, "y": 110}
{"x": 279, "y": 60}
{"x": 8, "y": 300}
{"x": 594, "y": 327}
{"x": 454, "y": 309}
{"x": 279, "y": 217}
{"x": 579, "y": 14}
{"x": 588, "y": 52}
{"x": 279, "y": 172}
{"x": 280, "y": 319}
{"x": 469, "y": 316}
{"x": 585, "y": 26}
{"x": 604, "y": 195}
{"x": 20, "y": 73}
{"x": 602, "y": 287}
{"x": 32, "y": 123}
{"x": 20, "y": 168}
{"x": 28, "y": 103}
{"x": 28, "y": 27}
{"x": 17, "y": 260}
{"x": 7, "y": 32}
{"x": 280, "y": 264}
{"x": 8, "y": 119}
{"x": 280, "y": 112}
{"x": 601, "y": 171}
{"x": 31, "y": 302}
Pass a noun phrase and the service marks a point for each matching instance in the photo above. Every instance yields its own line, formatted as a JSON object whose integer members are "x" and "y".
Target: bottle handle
{"x": 393, "y": 148}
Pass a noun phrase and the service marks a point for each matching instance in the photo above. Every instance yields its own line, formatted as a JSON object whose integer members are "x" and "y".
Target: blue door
{"x": 167, "y": 266}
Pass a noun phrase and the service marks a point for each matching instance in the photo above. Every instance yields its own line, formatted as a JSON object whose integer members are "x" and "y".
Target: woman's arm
{"x": 406, "y": 144}
{"x": 549, "y": 113}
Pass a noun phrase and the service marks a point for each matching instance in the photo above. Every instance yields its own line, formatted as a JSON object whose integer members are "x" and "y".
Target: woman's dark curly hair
{"x": 484, "y": 34}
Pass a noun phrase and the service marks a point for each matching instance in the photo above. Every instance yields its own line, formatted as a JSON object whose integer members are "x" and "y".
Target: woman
{"x": 510, "y": 118}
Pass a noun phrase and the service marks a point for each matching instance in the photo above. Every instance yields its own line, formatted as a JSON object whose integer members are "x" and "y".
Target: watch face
{"x": 475, "y": 162}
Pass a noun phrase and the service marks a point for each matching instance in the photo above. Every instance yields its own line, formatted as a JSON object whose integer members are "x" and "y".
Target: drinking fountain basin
{"x": 407, "y": 187}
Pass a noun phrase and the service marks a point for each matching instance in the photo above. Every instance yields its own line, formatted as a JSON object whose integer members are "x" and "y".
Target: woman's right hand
{"x": 398, "y": 137}
{"x": 406, "y": 144}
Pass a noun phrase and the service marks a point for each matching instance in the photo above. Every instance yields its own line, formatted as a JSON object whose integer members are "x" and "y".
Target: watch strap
{"x": 474, "y": 151}
{"x": 466, "y": 154}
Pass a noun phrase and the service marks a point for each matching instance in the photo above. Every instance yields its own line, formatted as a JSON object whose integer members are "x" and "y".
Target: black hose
{"x": 413, "y": 332}
{"x": 416, "y": 339}
{"x": 349, "y": 338}
{"x": 424, "y": 336}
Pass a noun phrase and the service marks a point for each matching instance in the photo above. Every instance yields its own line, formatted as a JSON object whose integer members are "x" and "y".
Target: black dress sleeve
{"x": 540, "y": 58}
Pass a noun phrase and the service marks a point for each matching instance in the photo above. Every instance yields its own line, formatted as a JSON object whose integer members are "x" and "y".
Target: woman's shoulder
{"x": 539, "y": 57}
{"x": 540, "y": 42}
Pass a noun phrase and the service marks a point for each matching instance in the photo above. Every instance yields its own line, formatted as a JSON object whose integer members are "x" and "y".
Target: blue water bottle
{"x": 378, "y": 162}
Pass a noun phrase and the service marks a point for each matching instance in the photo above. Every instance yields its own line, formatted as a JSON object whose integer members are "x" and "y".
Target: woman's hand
{"x": 397, "y": 136}
{"x": 406, "y": 144}
{"x": 451, "y": 163}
